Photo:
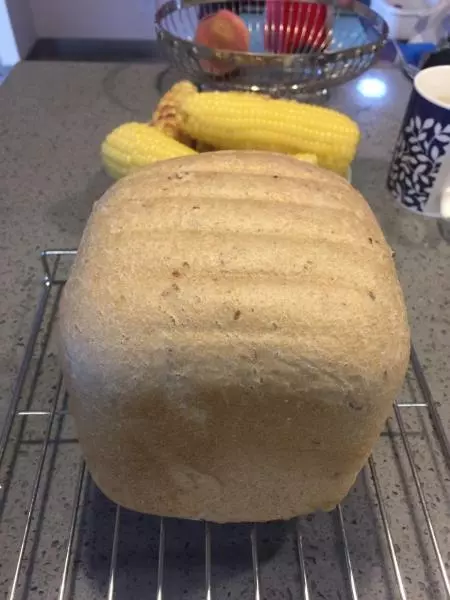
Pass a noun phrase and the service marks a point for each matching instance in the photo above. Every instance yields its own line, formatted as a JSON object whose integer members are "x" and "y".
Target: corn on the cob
{"x": 242, "y": 120}
{"x": 309, "y": 158}
{"x": 167, "y": 116}
{"x": 135, "y": 145}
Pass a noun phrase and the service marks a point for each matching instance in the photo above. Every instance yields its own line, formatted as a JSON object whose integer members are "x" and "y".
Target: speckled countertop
{"x": 53, "y": 117}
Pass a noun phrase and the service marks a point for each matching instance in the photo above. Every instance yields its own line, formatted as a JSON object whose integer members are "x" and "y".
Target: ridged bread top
{"x": 251, "y": 271}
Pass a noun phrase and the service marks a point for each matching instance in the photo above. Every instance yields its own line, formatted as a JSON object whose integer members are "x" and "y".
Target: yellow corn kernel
{"x": 135, "y": 145}
{"x": 167, "y": 116}
{"x": 242, "y": 120}
{"x": 309, "y": 158}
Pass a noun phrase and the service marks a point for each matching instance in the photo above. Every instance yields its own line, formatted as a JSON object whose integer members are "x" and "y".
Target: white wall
{"x": 22, "y": 21}
{"x": 103, "y": 19}
{"x": 9, "y": 53}
{"x": 22, "y": 24}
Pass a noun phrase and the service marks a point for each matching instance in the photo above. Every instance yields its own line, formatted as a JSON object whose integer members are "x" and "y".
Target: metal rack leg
{"x": 348, "y": 561}
{"x": 49, "y": 273}
{"x": 161, "y": 552}
{"x": 115, "y": 548}
{"x": 28, "y": 355}
{"x": 255, "y": 562}
{"x": 23, "y": 371}
{"x": 34, "y": 494}
{"x": 387, "y": 529}
{"x": 423, "y": 502}
{"x": 208, "y": 561}
{"x": 73, "y": 523}
{"x": 428, "y": 396}
{"x": 302, "y": 565}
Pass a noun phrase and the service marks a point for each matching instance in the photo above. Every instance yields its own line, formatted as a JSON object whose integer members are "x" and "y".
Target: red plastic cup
{"x": 293, "y": 26}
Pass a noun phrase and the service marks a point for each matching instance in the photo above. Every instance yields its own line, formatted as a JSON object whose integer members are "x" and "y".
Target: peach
{"x": 222, "y": 30}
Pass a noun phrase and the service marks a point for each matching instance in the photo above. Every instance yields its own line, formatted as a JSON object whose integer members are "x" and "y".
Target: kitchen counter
{"x": 53, "y": 117}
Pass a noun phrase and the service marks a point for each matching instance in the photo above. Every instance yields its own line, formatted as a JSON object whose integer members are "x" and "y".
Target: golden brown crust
{"x": 233, "y": 335}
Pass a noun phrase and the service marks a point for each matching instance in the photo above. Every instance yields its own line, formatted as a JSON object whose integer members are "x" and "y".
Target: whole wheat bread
{"x": 233, "y": 335}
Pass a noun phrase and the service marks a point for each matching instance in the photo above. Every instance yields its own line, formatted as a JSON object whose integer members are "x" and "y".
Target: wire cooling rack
{"x": 61, "y": 538}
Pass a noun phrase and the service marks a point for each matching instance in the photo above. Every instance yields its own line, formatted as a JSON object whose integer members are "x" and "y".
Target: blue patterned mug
{"x": 419, "y": 175}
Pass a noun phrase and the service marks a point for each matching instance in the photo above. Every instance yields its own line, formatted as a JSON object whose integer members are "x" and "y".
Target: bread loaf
{"x": 233, "y": 335}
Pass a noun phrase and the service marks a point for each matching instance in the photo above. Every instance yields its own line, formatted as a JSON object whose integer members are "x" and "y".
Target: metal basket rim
{"x": 271, "y": 58}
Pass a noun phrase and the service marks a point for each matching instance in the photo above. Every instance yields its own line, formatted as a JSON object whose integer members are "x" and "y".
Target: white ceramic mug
{"x": 419, "y": 175}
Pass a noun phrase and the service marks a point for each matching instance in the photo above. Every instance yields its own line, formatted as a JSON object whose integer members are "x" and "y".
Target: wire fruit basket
{"x": 294, "y": 46}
